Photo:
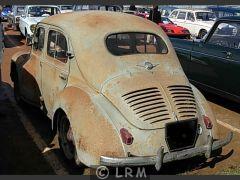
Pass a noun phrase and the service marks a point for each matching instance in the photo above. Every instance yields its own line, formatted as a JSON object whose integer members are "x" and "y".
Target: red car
{"x": 173, "y": 30}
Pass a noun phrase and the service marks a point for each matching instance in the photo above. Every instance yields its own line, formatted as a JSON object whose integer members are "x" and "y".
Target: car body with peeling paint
{"x": 115, "y": 92}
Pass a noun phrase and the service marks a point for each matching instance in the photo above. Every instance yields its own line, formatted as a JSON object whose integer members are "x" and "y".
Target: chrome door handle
{"x": 63, "y": 76}
{"x": 228, "y": 54}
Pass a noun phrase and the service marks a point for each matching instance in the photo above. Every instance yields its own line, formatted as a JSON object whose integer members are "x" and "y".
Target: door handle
{"x": 63, "y": 76}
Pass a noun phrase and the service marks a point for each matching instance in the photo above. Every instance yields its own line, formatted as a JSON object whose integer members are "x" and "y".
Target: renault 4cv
{"x": 115, "y": 92}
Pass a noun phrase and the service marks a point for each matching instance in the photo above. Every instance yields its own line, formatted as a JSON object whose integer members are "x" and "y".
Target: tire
{"x": 66, "y": 146}
{"x": 216, "y": 152}
{"x": 202, "y": 33}
{"x": 27, "y": 39}
{"x": 16, "y": 89}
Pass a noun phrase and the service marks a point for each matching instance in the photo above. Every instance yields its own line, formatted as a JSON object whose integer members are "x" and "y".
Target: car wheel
{"x": 16, "y": 89}
{"x": 216, "y": 152}
{"x": 27, "y": 39}
{"x": 202, "y": 33}
{"x": 65, "y": 138}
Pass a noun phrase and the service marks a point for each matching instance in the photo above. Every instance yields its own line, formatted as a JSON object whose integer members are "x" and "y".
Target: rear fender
{"x": 17, "y": 62}
{"x": 206, "y": 110}
{"x": 94, "y": 135}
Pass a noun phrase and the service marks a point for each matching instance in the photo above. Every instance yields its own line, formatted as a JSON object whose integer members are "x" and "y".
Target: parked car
{"x": 213, "y": 62}
{"x": 5, "y": 12}
{"x": 198, "y": 22}
{"x": 34, "y": 14}
{"x": 174, "y": 30}
{"x": 98, "y": 7}
{"x": 166, "y": 10}
{"x": 66, "y": 8}
{"x": 222, "y": 11}
{"x": 14, "y": 17}
{"x": 105, "y": 78}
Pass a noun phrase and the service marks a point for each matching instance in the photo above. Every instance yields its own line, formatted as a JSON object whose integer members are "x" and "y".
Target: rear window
{"x": 135, "y": 43}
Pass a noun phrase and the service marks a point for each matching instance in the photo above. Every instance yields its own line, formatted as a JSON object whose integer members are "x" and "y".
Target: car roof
{"x": 192, "y": 10}
{"x": 41, "y": 6}
{"x": 230, "y": 9}
{"x": 236, "y": 18}
{"x": 87, "y": 29}
{"x": 105, "y": 21}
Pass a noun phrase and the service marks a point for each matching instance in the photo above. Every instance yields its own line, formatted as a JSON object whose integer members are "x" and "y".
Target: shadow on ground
{"x": 16, "y": 40}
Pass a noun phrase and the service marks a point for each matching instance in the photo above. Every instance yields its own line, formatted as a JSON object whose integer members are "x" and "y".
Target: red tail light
{"x": 207, "y": 122}
{"x": 126, "y": 136}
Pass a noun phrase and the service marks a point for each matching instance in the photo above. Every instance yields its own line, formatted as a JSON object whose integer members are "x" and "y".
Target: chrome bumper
{"x": 161, "y": 158}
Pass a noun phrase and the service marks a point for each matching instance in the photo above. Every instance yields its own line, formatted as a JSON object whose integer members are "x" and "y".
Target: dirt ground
{"x": 29, "y": 147}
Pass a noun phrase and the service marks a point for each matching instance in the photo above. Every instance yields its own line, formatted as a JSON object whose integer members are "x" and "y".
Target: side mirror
{"x": 70, "y": 54}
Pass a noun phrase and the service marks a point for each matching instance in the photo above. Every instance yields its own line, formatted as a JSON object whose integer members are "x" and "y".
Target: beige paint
{"x": 98, "y": 83}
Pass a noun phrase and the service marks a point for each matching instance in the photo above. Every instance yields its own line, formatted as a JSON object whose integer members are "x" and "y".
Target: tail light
{"x": 207, "y": 122}
{"x": 126, "y": 136}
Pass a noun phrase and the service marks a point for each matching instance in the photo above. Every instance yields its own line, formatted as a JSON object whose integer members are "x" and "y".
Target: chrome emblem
{"x": 148, "y": 65}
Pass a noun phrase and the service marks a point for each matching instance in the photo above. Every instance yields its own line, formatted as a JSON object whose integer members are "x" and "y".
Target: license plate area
{"x": 181, "y": 134}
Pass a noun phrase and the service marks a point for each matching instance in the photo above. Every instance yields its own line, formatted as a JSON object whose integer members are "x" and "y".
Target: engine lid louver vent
{"x": 184, "y": 101}
{"x": 148, "y": 105}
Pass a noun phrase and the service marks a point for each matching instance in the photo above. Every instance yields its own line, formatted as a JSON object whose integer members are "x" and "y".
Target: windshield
{"x": 135, "y": 43}
{"x": 66, "y": 7}
{"x": 205, "y": 16}
{"x": 165, "y": 20}
{"x": 20, "y": 10}
{"x": 39, "y": 11}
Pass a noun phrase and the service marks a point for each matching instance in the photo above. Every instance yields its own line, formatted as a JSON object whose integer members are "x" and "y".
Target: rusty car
{"x": 115, "y": 92}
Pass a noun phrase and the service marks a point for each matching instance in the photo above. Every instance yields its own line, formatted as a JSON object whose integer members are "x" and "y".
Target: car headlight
{"x": 32, "y": 27}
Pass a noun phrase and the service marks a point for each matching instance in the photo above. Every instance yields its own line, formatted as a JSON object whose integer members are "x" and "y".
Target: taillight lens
{"x": 207, "y": 122}
{"x": 126, "y": 136}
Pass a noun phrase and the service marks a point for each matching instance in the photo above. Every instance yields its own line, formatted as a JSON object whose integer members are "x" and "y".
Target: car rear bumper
{"x": 161, "y": 158}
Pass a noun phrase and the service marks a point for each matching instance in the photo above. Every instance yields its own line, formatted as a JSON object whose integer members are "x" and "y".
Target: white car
{"x": 66, "y": 8}
{"x": 198, "y": 22}
{"x": 14, "y": 16}
{"x": 34, "y": 14}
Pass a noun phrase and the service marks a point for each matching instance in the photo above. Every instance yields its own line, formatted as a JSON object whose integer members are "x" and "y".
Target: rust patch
{"x": 93, "y": 133}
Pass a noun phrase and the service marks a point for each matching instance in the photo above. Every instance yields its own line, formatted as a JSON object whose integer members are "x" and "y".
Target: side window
{"x": 226, "y": 35}
{"x": 174, "y": 14}
{"x": 57, "y": 46}
{"x": 39, "y": 39}
{"x": 181, "y": 15}
{"x": 190, "y": 16}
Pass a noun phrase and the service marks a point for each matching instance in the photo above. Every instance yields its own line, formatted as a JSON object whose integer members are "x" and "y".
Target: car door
{"x": 211, "y": 59}
{"x": 181, "y": 18}
{"x": 173, "y": 16}
{"x": 55, "y": 67}
{"x": 191, "y": 23}
{"x": 230, "y": 79}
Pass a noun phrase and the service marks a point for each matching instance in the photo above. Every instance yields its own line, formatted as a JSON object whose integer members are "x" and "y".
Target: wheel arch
{"x": 17, "y": 61}
{"x": 85, "y": 117}
{"x": 207, "y": 110}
